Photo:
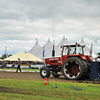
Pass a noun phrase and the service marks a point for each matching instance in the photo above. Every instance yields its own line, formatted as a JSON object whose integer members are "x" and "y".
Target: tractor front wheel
{"x": 44, "y": 72}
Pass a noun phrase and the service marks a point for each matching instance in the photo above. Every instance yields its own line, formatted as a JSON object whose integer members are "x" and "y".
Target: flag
{"x": 6, "y": 51}
{"x": 43, "y": 51}
{"x": 91, "y": 49}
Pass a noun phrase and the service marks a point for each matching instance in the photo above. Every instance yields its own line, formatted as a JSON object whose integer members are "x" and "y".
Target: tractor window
{"x": 80, "y": 50}
{"x": 72, "y": 50}
{"x": 65, "y": 51}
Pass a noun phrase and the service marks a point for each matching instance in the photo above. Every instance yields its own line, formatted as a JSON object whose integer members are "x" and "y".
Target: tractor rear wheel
{"x": 55, "y": 74}
{"x": 44, "y": 72}
{"x": 74, "y": 68}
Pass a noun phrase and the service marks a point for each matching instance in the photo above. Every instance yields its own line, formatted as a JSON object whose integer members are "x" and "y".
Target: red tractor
{"x": 73, "y": 64}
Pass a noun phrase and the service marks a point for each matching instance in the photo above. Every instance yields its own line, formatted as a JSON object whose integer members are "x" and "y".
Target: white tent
{"x": 23, "y": 57}
{"x": 87, "y": 50}
{"x": 36, "y": 48}
{"x": 48, "y": 50}
{"x": 58, "y": 47}
{"x": 49, "y": 47}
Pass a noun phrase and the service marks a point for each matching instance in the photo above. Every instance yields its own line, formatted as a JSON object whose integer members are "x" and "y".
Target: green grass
{"x": 21, "y": 89}
{"x": 21, "y": 69}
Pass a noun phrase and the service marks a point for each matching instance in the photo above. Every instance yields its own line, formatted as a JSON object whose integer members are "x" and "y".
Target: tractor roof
{"x": 72, "y": 45}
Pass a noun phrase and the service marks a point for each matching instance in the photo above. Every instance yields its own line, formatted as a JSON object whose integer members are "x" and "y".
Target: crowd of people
{"x": 3, "y": 64}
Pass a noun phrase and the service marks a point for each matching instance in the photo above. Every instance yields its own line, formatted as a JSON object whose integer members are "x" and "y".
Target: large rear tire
{"x": 44, "y": 72}
{"x": 74, "y": 68}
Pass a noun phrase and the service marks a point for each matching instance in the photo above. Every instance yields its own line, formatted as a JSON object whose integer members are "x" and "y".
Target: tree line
{"x": 4, "y": 56}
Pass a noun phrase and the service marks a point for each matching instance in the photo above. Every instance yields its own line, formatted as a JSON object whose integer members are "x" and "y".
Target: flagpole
{"x": 91, "y": 49}
{"x": 43, "y": 54}
{"x": 6, "y": 51}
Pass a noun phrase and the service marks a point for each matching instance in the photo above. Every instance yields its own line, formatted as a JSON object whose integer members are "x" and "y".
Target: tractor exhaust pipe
{"x": 53, "y": 51}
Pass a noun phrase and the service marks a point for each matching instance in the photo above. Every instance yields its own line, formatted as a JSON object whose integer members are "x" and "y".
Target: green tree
{"x": 98, "y": 53}
{"x": 9, "y": 55}
{"x": 4, "y": 56}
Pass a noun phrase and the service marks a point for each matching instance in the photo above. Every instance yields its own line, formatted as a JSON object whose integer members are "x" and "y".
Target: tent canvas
{"x": 58, "y": 47}
{"x": 87, "y": 50}
{"x": 36, "y": 49}
{"x": 48, "y": 50}
{"x": 23, "y": 57}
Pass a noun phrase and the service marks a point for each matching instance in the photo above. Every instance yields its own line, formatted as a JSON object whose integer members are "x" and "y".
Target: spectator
{"x": 19, "y": 63}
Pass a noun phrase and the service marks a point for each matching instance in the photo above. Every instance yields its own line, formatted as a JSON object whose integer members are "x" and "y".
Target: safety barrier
{"x": 24, "y": 66}
{"x": 36, "y": 66}
{"x": 95, "y": 71}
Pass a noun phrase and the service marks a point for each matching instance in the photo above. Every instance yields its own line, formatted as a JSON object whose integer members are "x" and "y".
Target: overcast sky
{"x": 22, "y": 21}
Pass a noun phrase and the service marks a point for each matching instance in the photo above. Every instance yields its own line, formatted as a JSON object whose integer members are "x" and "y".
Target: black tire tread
{"x": 48, "y": 72}
{"x": 83, "y": 64}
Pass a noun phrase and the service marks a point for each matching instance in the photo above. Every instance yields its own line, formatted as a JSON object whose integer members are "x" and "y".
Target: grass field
{"x": 21, "y": 89}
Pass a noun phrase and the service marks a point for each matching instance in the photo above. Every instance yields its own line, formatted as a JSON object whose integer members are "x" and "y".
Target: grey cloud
{"x": 31, "y": 19}
{"x": 39, "y": 9}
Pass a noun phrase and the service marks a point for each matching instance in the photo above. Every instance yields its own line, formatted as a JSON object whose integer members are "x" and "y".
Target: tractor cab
{"x": 72, "y": 49}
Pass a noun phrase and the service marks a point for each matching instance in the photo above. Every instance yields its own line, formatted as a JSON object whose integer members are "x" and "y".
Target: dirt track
{"x": 27, "y": 75}
{"x": 36, "y": 76}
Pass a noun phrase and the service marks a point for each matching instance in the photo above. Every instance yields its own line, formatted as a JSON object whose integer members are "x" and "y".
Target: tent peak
{"x": 63, "y": 37}
{"x": 49, "y": 40}
{"x": 82, "y": 40}
{"x": 36, "y": 41}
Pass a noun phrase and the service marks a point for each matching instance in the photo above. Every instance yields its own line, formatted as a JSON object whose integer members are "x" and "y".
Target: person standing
{"x": 19, "y": 63}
